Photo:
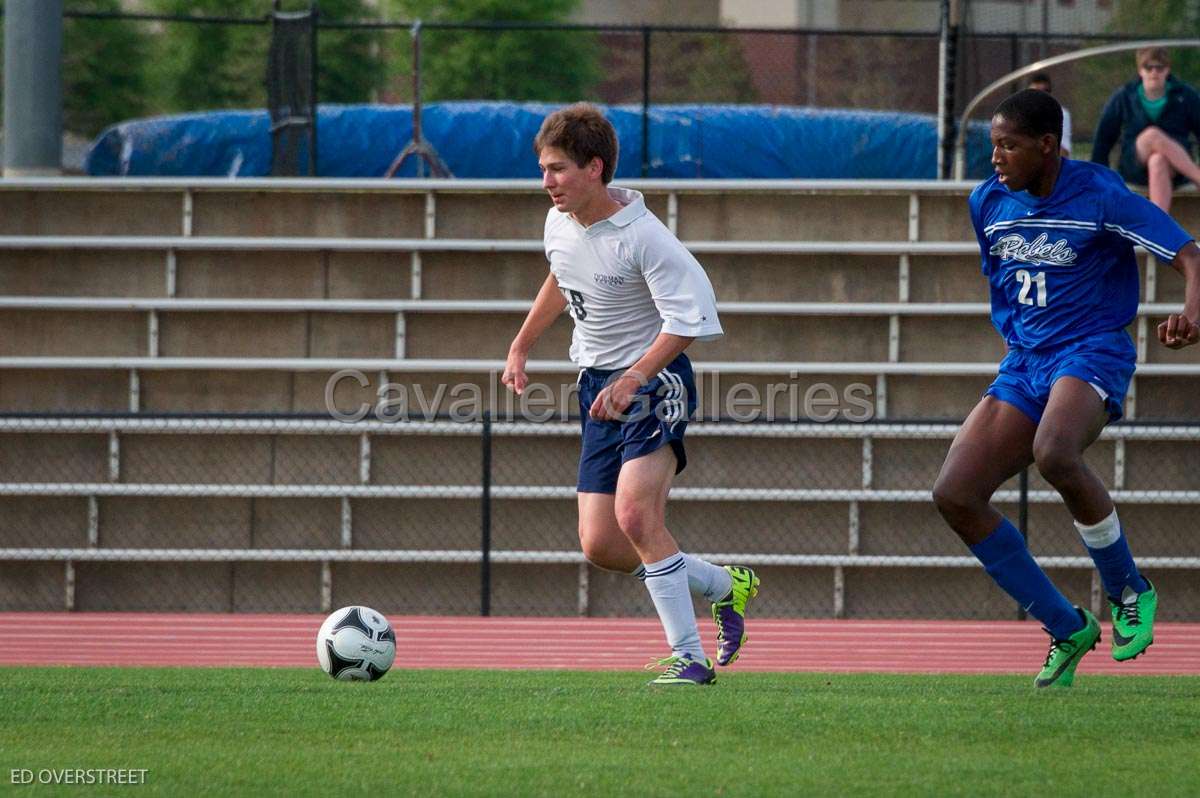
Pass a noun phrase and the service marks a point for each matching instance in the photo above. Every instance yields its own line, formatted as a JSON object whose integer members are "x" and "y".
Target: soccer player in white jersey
{"x": 638, "y": 299}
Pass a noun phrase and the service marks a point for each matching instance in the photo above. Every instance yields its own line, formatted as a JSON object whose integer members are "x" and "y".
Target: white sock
{"x": 712, "y": 582}
{"x": 708, "y": 581}
{"x": 1101, "y": 535}
{"x": 667, "y": 581}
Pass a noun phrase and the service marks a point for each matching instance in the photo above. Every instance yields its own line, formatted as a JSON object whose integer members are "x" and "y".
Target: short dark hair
{"x": 1148, "y": 54}
{"x": 582, "y": 132}
{"x": 1041, "y": 77}
{"x": 1034, "y": 112}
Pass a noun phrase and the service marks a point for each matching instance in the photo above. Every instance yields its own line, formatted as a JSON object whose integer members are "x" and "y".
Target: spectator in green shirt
{"x": 1156, "y": 117}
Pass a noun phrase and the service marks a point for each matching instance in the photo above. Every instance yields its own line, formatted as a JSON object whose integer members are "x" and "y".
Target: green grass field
{"x": 296, "y": 732}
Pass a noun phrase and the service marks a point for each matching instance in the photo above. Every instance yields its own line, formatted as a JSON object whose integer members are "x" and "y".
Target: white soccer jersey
{"x": 626, "y": 279}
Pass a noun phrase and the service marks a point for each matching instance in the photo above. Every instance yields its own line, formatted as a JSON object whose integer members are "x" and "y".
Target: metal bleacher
{"x": 223, "y": 307}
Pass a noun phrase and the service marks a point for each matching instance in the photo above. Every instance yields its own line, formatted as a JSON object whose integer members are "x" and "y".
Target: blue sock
{"x": 1109, "y": 549}
{"x": 1007, "y": 560}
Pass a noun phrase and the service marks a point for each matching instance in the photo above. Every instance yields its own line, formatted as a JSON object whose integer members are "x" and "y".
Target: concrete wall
{"x": 777, "y": 397}
{"x": 49, "y": 212}
{"x": 799, "y": 214}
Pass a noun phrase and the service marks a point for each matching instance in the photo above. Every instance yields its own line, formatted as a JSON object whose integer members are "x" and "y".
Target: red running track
{"x": 129, "y": 639}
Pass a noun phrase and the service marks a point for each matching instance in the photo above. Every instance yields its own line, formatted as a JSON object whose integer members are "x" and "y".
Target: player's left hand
{"x": 616, "y": 397}
{"x": 1178, "y": 331}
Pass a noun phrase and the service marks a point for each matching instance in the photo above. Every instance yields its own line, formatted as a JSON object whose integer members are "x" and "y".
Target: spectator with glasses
{"x": 1155, "y": 116}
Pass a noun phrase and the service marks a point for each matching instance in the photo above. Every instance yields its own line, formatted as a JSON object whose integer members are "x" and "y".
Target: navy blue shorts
{"x": 1106, "y": 362}
{"x": 658, "y": 415}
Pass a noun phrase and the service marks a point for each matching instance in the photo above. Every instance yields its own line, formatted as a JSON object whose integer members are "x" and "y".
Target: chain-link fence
{"x": 303, "y": 514}
{"x": 172, "y": 63}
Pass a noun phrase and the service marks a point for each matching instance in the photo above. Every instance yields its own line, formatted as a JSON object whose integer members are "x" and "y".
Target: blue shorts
{"x": 659, "y": 415}
{"x": 1104, "y": 361}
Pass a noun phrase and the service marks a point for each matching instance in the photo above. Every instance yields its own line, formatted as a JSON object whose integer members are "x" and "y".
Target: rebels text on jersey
{"x": 626, "y": 279}
{"x": 1062, "y": 267}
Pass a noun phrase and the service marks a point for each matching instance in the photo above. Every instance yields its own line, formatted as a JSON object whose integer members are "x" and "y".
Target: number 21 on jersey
{"x": 1027, "y": 281}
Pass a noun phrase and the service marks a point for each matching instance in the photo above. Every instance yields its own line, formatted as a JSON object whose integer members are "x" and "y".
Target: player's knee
{"x": 593, "y": 552}
{"x": 635, "y": 520}
{"x": 1056, "y": 462}
{"x": 599, "y": 553}
{"x": 954, "y": 499}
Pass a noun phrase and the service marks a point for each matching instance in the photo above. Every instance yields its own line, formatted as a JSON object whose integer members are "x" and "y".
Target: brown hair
{"x": 582, "y": 132}
{"x": 1158, "y": 54}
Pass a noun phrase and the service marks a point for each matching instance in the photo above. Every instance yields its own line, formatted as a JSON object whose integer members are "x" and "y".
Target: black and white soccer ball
{"x": 356, "y": 644}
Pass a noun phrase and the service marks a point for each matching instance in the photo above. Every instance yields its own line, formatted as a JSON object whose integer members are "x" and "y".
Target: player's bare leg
{"x": 641, "y": 501}
{"x": 607, "y": 547}
{"x": 1074, "y": 418}
{"x": 995, "y": 443}
{"x": 729, "y": 588}
{"x": 640, "y": 508}
{"x": 600, "y": 536}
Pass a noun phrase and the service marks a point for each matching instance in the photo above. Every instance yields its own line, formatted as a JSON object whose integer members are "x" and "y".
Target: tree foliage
{"x": 104, "y": 68}
{"x": 209, "y": 65}
{"x": 1177, "y": 19}
{"x": 1151, "y": 19}
{"x": 351, "y": 61}
{"x": 699, "y": 68}
{"x": 550, "y": 65}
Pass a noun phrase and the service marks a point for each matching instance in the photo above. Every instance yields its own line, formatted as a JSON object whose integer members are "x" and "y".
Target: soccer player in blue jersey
{"x": 1057, "y": 240}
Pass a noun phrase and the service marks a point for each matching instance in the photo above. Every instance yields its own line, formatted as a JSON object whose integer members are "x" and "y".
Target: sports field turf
{"x": 297, "y": 732}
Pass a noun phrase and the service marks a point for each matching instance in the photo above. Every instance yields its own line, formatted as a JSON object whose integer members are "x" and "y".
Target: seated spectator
{"x": 1041, "y": 82}
{"x": 1155, "y": 116}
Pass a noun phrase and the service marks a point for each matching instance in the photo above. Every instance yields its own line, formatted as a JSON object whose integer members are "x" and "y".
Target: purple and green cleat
{"x": 683, "y": 669}
{"x": 730, "y": 613}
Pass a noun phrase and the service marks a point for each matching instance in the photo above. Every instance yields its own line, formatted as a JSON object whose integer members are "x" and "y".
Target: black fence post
{"x": 645, "y": 102}
{"x": 316, "y": 98}
{"x": 485, "y": 543}
{"x": 291, "y": 92}
{"x": 1023, "y": 522}
{"x": 417, "y": 102}
{"x": 947, "y": 87}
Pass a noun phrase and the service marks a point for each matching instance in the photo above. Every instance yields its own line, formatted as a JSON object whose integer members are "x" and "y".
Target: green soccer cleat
{"x": 1064, "y": 655}
{"x": 1133, "y": 622}
{"x": 683, "y": 669}
{"x": 730, "y": 613}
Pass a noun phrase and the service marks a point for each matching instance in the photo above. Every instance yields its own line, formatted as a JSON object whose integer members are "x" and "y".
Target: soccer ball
{"x": 356, "y": 644}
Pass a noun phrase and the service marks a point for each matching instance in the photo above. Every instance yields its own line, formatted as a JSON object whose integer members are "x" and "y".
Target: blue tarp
{"x": 492, "y": 140}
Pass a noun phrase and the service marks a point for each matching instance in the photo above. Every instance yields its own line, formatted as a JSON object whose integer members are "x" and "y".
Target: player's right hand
{"x": 514, "y": 372}
{"x": 1178, "y": 331}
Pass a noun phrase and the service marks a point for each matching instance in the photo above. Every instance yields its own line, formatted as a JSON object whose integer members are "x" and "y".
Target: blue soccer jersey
{"x": 1062, "y": 267}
